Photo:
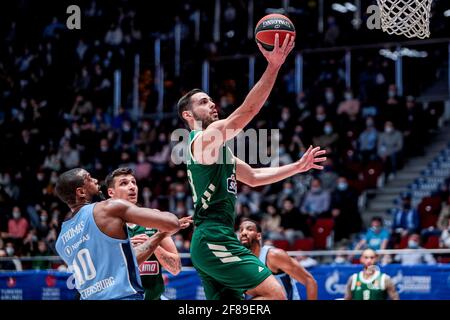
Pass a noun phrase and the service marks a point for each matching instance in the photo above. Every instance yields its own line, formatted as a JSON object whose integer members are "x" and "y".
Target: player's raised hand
{"x": 185, "y": 222}
{"x": 278, "y": 55}
{"x": 138, "y": 240}
{"x": 310, "y": 158}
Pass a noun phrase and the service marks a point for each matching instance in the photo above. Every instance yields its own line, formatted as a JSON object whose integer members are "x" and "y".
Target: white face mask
{"x": 16, "y": 215}
{"x": 9, "y": 251}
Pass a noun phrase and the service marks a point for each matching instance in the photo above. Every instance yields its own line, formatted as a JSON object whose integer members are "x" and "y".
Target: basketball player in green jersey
{"x": 153, "y": 248}
{"x": 370, "y": 283}
{"x": 228, "y": 269}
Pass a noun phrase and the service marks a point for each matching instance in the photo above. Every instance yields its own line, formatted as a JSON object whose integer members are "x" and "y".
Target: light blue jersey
{"x": 288, "y": 284}
{"x": 103, "y": 268}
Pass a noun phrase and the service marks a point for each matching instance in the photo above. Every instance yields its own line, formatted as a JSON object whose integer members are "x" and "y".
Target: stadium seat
{"x": 282, "y": 244}
{"x": 321, "y": 230}
{"x": 306, "y": 244}
{"x": 403, "y": 242}
{"x": 432, "y": 242}
{"x": 429, "y": 209}
{"x": 371, "y": 173}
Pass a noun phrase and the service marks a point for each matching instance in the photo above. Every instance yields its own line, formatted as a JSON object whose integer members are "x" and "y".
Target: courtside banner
{"x": 35, "y": 285}
{"x": 412, "y": 282}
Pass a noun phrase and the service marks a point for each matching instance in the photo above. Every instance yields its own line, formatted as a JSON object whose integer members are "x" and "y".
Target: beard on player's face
{"x": 205, "y": 118}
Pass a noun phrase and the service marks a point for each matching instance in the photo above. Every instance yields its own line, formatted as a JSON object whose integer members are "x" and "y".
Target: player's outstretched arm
{"x": 218, "y": 132}
{"x": 150, "y": 218}
{"x": 281, "y": 260}
{"x": 262, "y": 176}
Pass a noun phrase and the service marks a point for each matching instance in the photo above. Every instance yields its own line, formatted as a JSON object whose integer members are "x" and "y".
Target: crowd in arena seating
{"x": 57, "y": 114}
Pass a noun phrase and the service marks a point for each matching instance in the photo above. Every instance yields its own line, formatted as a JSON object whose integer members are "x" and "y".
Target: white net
{"x": 410, "y": 18}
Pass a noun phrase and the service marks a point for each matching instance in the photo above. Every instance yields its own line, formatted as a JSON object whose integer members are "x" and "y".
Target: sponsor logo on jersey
{"x": 231, "y": 184}
{"x": 149, "y": 268}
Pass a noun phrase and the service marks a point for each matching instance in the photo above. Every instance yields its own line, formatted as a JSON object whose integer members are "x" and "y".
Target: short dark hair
{"x": 379, "y": 219}
{"x": 67, "y": 184}
{"x": 258, "y": 227}
{"x": 185, "y": 102}
{"x": 123, "y": 171}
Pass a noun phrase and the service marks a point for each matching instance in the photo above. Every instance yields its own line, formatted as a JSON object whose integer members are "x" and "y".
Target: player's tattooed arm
{"x": 167, "y": 255}
{"x": 144, "y": 250}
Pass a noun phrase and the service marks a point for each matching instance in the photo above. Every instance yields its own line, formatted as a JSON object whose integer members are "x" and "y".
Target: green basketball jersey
{"x": 150, "y": 270}
{"x": 213, "y": 187}
{"x": 373, "y": 288}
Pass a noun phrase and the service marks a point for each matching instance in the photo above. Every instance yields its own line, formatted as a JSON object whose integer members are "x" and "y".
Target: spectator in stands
{"x": 406, "y": 218}
{"x": 413, "y": 128}
{"x": 350, "y": 106}
{"x": 271, "y": 223}
{"x": 444, "y": 240}
{"x": 11, "y": 253}
{"x": 293, "y": 224}
{"x": 288, "y": 191}
{"x": 341, "y": 258}
{"x": 7, "y": 264}
{"x": 17, "y": 225}
{"x": 444, "y": 215}
{"x": 376, "y": 238}
{"x": 250, "y": 198}
{"x": 316, "y": 201}
{"x": 42, "y": 251}
{"x": 329, "y": 137}
{"x": 344, "y": 209}
{"x": 367, "y": 141}
{"x": 390, "y": 145}
{"x": 328, "y": 175}
{"x": 414, "y": 258}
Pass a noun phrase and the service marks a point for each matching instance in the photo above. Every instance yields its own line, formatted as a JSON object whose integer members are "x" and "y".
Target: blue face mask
{"x": 342, "y": 186}
{"x": 413, "y": 244}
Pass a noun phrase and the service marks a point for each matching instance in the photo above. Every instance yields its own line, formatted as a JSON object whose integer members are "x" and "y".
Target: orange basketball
{"x": 268, "y": 26}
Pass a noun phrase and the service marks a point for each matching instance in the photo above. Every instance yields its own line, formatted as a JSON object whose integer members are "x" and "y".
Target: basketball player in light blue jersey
{"x": 94, "y": 240}
{"x": 284, "y": 268}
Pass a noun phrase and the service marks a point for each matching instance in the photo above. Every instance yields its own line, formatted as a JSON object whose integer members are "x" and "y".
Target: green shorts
{"x": 227, "y": 269}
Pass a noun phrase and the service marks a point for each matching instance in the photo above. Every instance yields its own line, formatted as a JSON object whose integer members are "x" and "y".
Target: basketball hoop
{"x": 410, "y": 18}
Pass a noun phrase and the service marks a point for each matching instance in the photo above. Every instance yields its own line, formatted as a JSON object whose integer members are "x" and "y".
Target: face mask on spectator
{"x": 348, "y": 96}
{"x": 44, "y": 218}
{"x": 146, "y": 194}
{"x": 388, "y": 129}
{"x": 178, "y": 243}
{"x": 141, "y": 159}
{"x": 315, "y": 189}
{"x": 329, "y": 96}
{"x": 413, "y": 244}
{"x": 339, "y": 260}
{"x": 320, "y": 117}
{"x": 328, "y": 129}
{"x": 369, "y": 123}
{"x": 375, "y": 229}
{"x": 391, "y": 94}
{"x": 342, "y": 186}
{"x": 9, "y": 251}
{"x": 287, "y": 191}
{"x": 180, "y": 195}
{"x": 16, "y": 214}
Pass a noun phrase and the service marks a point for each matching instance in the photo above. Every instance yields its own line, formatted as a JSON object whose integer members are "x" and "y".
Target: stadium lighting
{"x": 404, "y": 52}
{"x": 350, "y": 6}
{"x": 339, "y": 8}
{"x": 447, "y": 13}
